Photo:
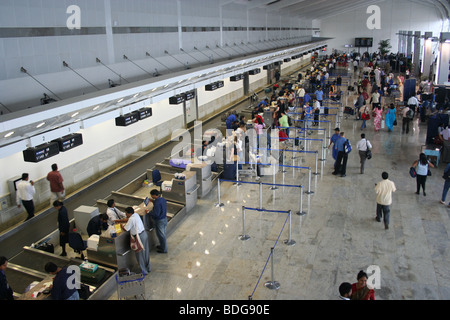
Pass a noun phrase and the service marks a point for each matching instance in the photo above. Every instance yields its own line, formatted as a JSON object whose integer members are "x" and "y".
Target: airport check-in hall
{"x": 224, "y": 150}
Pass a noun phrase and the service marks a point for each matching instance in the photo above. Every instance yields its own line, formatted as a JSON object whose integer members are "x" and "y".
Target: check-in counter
{"x": 202, "y": 169}
{"x": 29, "y": 267}
{"x": 183, "y": 191}
{"x": 115, "y": 252}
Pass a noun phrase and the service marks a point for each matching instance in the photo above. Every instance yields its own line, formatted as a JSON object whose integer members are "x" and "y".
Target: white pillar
{"x": 442, "y": 69}
{"x": 427, "y": 54}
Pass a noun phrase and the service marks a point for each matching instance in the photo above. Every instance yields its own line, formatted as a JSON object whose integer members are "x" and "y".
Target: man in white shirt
{"x": 25, "y": 194}
{"x": 413, "y": 103}
{"x": 384, "y": 191}
{"x": 136, "y": 227}
{"x": 363, "y": 145}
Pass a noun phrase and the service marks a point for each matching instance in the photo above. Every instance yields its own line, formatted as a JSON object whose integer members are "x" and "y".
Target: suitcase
{"x": 47, "y": 247}
{"x": 349, "y": 110}
{"x": 92, "y": 278}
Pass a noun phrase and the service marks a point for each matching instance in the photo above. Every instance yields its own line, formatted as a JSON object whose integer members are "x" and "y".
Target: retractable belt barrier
{"x": 272, "y": 285}
{"x": 300, "y": 212}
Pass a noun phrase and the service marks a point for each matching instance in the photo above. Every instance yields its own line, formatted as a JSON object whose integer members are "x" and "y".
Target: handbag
{"x": 136, "y": 243}
{"x": 412, "y": 172}
{"x": 368, "y": 152}
{"x": 283, "y": 136}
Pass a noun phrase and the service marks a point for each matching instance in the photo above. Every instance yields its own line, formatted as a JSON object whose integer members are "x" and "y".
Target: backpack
{"x": 347, "y": 147}
{"x": 410, "y": 114}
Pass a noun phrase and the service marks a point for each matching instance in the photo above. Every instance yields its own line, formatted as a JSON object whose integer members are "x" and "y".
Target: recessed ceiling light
{"x": 9, "y": 134}
{"x": 95, "y": 108}
{"x": 40, "y": 124}
{"x": 75, "y": 114}
{"x": 120, "y": 100}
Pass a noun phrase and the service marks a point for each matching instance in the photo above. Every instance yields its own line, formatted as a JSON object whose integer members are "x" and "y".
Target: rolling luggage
{"x": 349, "y": 110}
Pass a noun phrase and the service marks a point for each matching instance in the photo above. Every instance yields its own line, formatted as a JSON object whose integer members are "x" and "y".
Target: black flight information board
{"x": 69, "y": 142}
{"x": 41, "y": 152}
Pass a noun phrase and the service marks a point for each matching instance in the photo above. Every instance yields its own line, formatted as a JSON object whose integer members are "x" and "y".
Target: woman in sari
{"x": 378, "y": 117}
{"x": 360, "y": 291}
{"x": 390, "y": 117}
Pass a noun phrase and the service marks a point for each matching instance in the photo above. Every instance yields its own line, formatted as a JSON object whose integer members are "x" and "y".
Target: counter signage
{"x": 69, "y": 142}
{"x": 127, "y": 119}
{"x": 41, "y": 152}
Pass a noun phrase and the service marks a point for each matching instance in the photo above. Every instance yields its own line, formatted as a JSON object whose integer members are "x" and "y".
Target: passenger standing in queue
{"x": 6, "y": 293}
{"x": 25, "y": 194}
{"x": 61, "y": 288}
{"x": 136, "y": 227}
{"x": 63, "y": 225}
{"x": 159, "y": 215}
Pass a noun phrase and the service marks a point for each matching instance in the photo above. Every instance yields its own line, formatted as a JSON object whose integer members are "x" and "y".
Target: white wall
{"x": 396, "y": 15}
{"x": 43, "y": 56}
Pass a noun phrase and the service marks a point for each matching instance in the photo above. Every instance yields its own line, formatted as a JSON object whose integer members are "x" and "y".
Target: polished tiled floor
{"x": 336, "y": 238}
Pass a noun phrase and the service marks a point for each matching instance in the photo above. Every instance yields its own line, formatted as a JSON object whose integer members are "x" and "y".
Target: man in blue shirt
{"x": 6, "y": 293}
{"x": 60, "y": 289}
{"x": 159, "y": 215}
{"x": 306, "y": 98}
{"x": 231, "y": 120}
{"x": 319, "y": 97}
{"x": 341, "y": 162}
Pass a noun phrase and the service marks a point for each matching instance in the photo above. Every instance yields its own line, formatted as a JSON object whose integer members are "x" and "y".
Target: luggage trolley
{"x": 131, "y": 285}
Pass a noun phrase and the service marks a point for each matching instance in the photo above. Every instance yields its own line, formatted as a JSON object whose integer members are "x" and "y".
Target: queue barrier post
{"x": 301, "y": 212}
{"x": 219, "y": 204}
{"x": 289, "y": 241}
{"x": 243, "y": 236}
{"x": 272, "y": 285}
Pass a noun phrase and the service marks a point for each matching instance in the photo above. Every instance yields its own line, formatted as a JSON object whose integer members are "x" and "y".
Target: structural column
{"x": 416, "y": 56}
{"x": 427, "y": 54}
{"x": 442, "y": 68}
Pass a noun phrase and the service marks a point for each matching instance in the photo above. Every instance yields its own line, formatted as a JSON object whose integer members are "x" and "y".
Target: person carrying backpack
{"x": 344, "y": 148}
{"x": 408, "y": 115}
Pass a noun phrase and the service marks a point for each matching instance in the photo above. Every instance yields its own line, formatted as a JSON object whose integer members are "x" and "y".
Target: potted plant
{"x": 384, "y": 46}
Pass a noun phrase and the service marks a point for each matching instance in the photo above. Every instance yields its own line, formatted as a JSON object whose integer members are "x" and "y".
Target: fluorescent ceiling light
{"x": 9, "y": 134}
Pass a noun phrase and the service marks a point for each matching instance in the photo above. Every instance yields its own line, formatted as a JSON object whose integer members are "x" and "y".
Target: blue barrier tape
{"x": 257, "y": 209}
{"x": 287, "y": 150}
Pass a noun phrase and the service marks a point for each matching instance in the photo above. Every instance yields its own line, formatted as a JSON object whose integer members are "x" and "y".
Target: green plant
{"x": 384, "y": 46}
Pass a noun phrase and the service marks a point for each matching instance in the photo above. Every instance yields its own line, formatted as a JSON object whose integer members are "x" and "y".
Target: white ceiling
{"x": 320, "y": 9}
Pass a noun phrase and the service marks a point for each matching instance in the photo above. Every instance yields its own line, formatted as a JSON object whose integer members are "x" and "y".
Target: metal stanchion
{"x": 272, "y": 285}
{"x": 309, "y": 184}
{"x": 289, "y": 241}
{"x": 243, "y": 236}
{"x": 219, "y": 203}
{"x": 237, "y": 183}
{"x": 317, "y": 159}
{"x": 301, "y": 212}
{"x": 274, "y": 187}
{"x": 260, "y": 196}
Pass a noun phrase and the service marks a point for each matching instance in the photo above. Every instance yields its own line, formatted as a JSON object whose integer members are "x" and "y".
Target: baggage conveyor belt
{"x": 19, "y": 238}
